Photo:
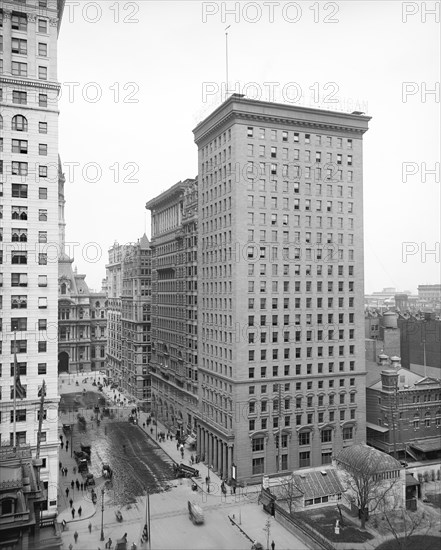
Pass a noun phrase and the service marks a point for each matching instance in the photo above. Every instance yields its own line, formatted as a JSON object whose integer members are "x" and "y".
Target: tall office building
{"x": 174, "y": 363}
{"x": 129, "y": 324}
{"x": 29, "y": 226}
{"x": 280, "y": 296}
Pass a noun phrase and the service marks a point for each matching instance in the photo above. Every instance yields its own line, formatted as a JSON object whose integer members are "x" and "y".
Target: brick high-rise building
{"x": 29, "y": 227}
{"x": 174, "y": 360}
{"x": 280, "y": 286}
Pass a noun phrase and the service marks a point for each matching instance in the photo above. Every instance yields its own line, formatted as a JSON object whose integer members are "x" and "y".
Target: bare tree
{"x": 402, "y": 524}
{"x": 370, "y": 483}
{"x": 289, "y": 492}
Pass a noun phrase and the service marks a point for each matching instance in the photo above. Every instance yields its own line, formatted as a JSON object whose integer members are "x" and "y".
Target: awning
{"x": 377, "y": 428}
{"x": 410, "y": 480}
{"x": 427, "y": 445}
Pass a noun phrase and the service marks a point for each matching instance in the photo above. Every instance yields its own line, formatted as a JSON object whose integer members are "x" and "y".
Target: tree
{"x": 371, "y": 478}
{"x": 289, "y": 492}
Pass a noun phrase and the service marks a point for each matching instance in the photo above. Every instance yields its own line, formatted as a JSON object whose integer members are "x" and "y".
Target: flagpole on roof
{"x": 15, "y": 390}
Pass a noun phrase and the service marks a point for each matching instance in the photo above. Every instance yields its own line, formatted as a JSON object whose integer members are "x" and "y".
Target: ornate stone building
{"x": 129, "y": 325}
{"x": 82, "y": 319}
{"x": 29, "y": 115}
{"x": 174, "y": 363}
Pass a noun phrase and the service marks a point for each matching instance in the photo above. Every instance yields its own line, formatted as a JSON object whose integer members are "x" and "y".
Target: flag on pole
{"x": 145, "y": 534}
{"x": 20, "y": 392}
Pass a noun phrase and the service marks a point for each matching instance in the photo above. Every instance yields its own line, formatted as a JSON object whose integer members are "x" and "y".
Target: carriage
{"x": 195, "y": 513}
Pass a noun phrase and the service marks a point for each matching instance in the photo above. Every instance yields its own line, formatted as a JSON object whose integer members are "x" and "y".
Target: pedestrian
{"x": 182, "y": 453}
{"x": 73, "y": 513}
{"x": 62, "y": 444}
{"x": 143, "y": 425}
{"x": 72, "y": 484}
{"x": 177, "y": 445}
{"x": 76, "y": 536}
{"x": 109, "y": 543}
{"x": 192, "y": 460}
{"x": 80, "y": 510}
{"x": 82, "y": 486}
{"x": 67, "y": 471}
{"x": 61, "y": 437}
{"x": 60, "y": 466}
{"x": 71, "y": 502}
{"x": 273, "y": 545}
{"x": 151, "y": 431}
{"x": 70, "y": 546}
{"x": 74, "y": 470}
{"x": 89, "y": 527}
{"x": 67, "y": 492}
{"x": 77, "y": 483}
{"x": 125, "y": 537}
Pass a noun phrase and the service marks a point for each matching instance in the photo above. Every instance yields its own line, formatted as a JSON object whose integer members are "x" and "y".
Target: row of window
{"x": 19, "y": 21}
{"x": 21, "y": 346}
{"x": 21, "y": 98}
{"x": 21, "y": 212}
{"x": 307, "y": 154}
{"x": 20, "y": 146}
{"x": 264, "y": 424}
{"x": 21, "y": 301}
{"x": 285, "y": 135}
{"x": 21, "y": 280}
{"x": 19, "y": 123}
{"x": 22, "y": 168}
{"x": 296, "y": 204}
{"x": 20, "y": 46}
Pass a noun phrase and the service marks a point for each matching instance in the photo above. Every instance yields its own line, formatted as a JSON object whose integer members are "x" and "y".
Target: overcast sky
{"x": 133, "y": 77}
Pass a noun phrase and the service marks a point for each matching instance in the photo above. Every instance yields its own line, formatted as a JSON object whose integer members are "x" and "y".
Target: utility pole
{"x": 102, "y": 514}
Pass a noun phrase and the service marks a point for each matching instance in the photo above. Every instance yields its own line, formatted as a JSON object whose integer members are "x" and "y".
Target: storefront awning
{"x": 427, "y": 445}
{"x": 377, "y": 428}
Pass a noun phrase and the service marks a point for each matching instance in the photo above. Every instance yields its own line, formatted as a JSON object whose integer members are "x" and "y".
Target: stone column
{"x": 224, "y": 461}
{"x": 230, "y": 459}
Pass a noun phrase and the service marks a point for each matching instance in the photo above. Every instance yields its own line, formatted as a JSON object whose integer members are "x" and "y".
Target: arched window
{"x": 63, "y": 288}
{"x": 19, "y": 123}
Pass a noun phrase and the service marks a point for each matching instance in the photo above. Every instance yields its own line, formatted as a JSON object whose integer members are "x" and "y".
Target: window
{"x": 19, "y": 69}
{"x": 42, "y": 281}
{"x": 258, "y": 444}
{"x": 42, "y": 368}
{"x": 20, "y": 191}
{"x": 304, "y": 459}
{"x": 19, "y": 124}
{"x": 42, "y": 100}
{"x": 347, "y": 432}
{"x": 42, "y": 193}
{"x": 20, "y": 146}
{"x": 20, "y": 98}
{"x": 250, "y": 131}
{"x": 19, "y": 257}
{"x": 19, "y": 22}
{"x": 258, "y": 465}
{"x": 19, "y": 168}
{"x": 42, "y": 127}
{"x": 42, "y": 25}
{"x": 42, "y": 149}
{"x": 42, "y": 215}
{"x": 304, "y": 438}
{"x": 42, "y": 347}
{"x": 19, "y": 46}
{"x": 42, "y": 49}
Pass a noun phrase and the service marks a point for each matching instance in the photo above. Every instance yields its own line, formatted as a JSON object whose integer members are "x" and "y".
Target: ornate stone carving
{"x": 31, "y": 17}
{"x": 53, "y": 21}
{"x": 7, "y": 14}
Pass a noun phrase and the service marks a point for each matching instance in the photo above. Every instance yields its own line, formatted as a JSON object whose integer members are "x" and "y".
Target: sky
{"x": 137, "y": 77}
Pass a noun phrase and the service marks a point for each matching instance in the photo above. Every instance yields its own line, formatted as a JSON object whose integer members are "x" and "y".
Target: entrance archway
{"x": 63, "y": 362}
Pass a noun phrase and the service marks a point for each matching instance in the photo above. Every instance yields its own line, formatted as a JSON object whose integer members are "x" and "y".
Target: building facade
{"x": 129, "y": 317}
{"x": 29, "y": 226}
{"x": 82, "y": 321}
{"x": 174, "y": 362}
{"x": 403, "y": 411}
{"x": 382, "y": 334}
{"x": 281, "y": 290}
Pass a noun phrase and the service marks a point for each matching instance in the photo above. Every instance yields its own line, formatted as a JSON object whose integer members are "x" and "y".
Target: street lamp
{"x": 208, "y": 476}
{"x": 102, "y": 514}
